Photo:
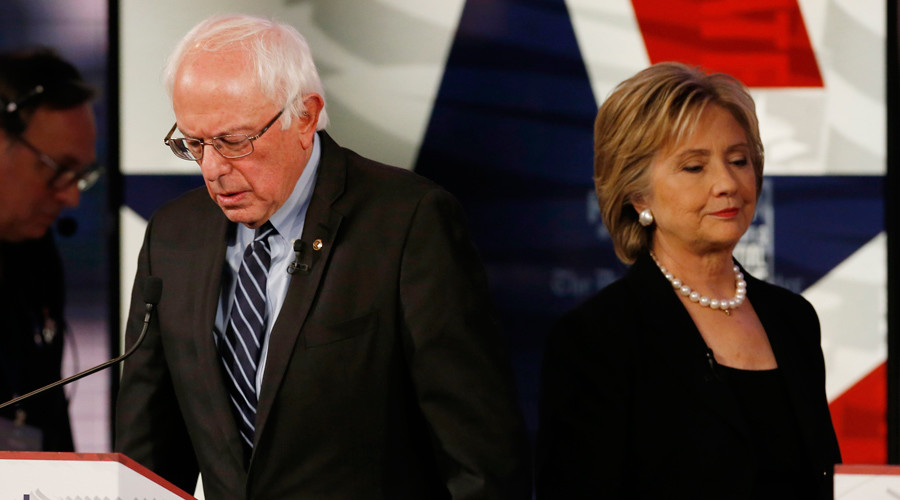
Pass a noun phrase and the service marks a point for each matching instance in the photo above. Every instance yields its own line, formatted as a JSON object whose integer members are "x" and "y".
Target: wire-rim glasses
{"x": 229, "y": 146}
{"x": 65, "y": 176}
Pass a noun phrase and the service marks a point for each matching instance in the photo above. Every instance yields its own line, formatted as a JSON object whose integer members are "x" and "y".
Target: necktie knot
{"x": 263, "y": 232}
{"x": 257, "y": 256}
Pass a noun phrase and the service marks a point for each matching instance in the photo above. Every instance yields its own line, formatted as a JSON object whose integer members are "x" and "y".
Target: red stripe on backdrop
{"x": 860, "y": 419}
{"x": 763, "y": 43}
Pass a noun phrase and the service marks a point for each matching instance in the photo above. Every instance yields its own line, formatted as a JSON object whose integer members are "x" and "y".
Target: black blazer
{"x": 385, "y": 375}
{"x": 631, "y": 407}
{"x": 32, "y": 331}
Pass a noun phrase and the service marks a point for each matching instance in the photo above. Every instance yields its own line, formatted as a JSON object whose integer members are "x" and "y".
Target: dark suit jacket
{"x": 631, "y": 407}
{"x": 385, "y": 375}
{"x": 31, "y": 337}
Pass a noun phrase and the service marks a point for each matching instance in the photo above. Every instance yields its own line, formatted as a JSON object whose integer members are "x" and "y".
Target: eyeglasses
{"x": 230, "y": 145}
{"x": 65, "y": 176}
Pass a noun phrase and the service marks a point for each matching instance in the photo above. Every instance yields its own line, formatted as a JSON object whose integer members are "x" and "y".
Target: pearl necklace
{"x": 725, "y": 305}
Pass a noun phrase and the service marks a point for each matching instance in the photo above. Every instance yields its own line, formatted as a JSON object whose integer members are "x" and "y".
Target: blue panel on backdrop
{"x": 820, "y": 221}
{"x": 146, "y": 193}
{"x": 511, "y": 136}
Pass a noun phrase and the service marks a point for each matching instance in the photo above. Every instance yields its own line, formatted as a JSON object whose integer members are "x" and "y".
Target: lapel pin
{"x": 317, "y": 245}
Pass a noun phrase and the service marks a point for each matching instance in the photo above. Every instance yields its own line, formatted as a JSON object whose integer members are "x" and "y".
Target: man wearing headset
{"x": 47, "y": 157}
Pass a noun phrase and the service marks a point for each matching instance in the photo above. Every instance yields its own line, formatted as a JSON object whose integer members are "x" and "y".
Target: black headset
{"x": 11, "y": 119}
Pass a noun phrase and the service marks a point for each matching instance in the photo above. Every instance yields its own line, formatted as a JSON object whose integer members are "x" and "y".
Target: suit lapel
{"x": 789, "y": 358}
{"x": 319, "y": 234}
{"x": 213, "y": 235}
{"x": 675, "y": 339}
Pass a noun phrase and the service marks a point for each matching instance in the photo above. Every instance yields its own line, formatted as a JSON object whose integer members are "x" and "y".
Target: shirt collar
{"x": 288, "y": 220}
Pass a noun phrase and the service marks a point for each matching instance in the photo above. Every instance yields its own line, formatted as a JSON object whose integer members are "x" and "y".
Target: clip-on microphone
{"x": 297, "y": 266}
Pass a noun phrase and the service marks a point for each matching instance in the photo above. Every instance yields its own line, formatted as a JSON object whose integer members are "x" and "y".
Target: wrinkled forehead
{"x": 67, "y": 135}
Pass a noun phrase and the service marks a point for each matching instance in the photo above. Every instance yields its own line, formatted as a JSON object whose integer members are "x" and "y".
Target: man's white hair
{"x": 285, "y": 69}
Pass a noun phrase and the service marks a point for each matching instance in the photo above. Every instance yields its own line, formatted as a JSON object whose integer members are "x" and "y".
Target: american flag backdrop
{"x": 495, "y": 99}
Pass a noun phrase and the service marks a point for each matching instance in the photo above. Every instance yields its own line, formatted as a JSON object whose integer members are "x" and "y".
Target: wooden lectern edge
{"x": 94, "y": 457}
{"x": 888, "y": 470}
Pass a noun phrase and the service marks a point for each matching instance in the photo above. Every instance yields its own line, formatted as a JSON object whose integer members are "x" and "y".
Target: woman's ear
{"x": 639, "y": 203}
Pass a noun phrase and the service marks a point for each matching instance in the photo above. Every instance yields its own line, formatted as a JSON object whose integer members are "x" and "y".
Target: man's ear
{"x": 309, "y": 119}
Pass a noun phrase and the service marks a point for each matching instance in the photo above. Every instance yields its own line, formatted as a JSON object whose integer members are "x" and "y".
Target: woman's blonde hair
{"x": 655, "y": 109}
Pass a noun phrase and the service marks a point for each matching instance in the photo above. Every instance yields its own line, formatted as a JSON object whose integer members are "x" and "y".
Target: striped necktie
{"x": 240, "y": 348}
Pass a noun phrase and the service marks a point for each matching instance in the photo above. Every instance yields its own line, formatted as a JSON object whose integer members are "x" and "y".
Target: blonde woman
{"x": 687, "y": 378}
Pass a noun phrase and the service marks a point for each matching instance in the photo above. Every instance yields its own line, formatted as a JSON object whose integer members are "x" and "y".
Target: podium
{"x": 866, "y": 482}
{"x": 39, "y": 475}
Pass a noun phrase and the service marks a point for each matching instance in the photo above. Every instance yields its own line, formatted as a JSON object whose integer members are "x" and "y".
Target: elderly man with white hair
{"x": 325, "y": 329}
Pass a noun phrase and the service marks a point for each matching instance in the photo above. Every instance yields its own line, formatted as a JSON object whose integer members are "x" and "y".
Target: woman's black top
{"x": 774, "y": 431}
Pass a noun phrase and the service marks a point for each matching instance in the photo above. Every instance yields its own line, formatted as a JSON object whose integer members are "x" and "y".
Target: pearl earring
{"x": 645, "y": 218}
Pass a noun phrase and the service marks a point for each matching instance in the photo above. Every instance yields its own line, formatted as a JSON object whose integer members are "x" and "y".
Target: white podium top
{"x": 39, "y": 475}
{"x": 866, "y": 482}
